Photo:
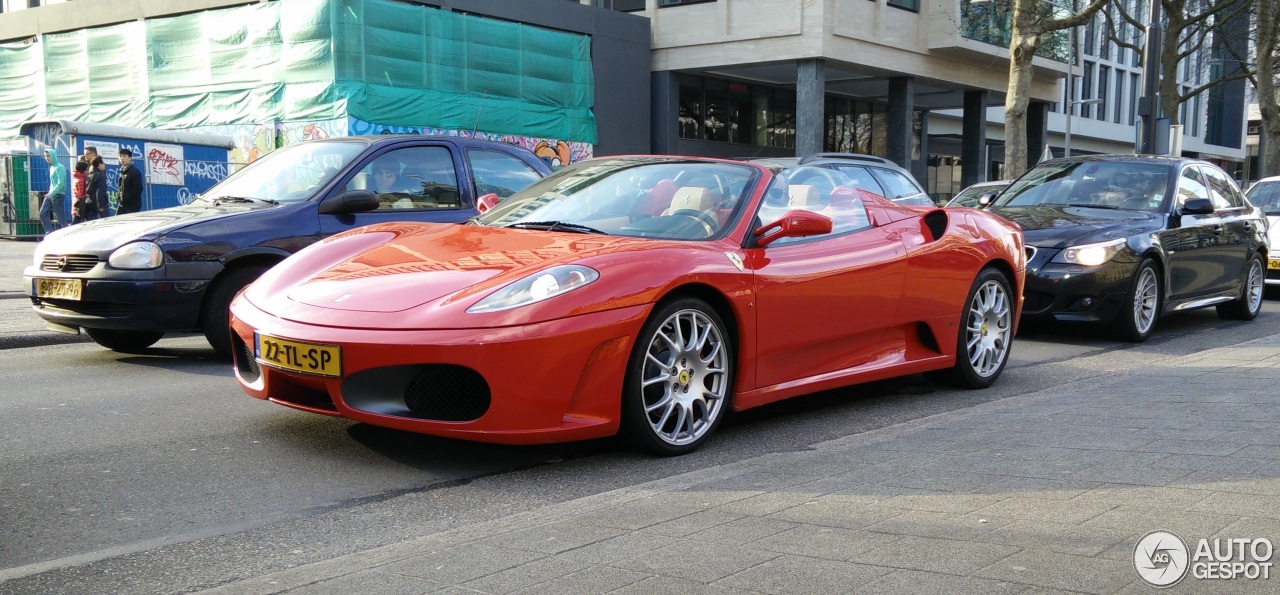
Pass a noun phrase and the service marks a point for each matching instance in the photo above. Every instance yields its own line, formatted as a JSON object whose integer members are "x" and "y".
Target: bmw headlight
{"x": 1090, "y": 255}
{"x": 537, "y": 287}
{"x": 137, "y": 256}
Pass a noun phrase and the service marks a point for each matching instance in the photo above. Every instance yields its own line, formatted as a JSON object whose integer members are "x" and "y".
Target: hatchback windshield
{"x": 1266, "y": 196}
{"x": 651, "y": 198}
{"x": 1103, "y": 185}
{"x": 290, "y": 174}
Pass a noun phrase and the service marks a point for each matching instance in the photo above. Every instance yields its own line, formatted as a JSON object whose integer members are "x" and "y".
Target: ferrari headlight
{"x": 543, "y": 285}
{"x": 137, "y": 255}
{"x": 1090, "y": 255}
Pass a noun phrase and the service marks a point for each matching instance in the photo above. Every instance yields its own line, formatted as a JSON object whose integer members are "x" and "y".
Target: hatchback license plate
{"x": 298, "y": 356}
{"x": 62, "y": 289}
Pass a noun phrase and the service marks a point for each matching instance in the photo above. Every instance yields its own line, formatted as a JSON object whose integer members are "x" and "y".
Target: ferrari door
{"x": 823, "y": 302}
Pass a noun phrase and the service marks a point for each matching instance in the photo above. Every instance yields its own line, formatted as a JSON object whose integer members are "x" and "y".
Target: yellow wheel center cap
{"x": 684, "y": 377}
{"x": 984, "y": 328}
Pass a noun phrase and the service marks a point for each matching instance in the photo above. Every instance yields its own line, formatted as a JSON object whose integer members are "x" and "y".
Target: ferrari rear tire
{"x": 215, "y": 315}
{"x": 1138, "y": 316}
{"x": 679, "y": 379}
{"x": 123, "y": 341}
{"x": 984, "y": 341}
{"x": 1249, "y": 304}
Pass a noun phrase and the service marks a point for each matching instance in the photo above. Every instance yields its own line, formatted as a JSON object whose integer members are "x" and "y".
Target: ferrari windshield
{"x": 290, "y": 174}
{"x": 638, "y": 197}
{"x": 1097, "y": 184}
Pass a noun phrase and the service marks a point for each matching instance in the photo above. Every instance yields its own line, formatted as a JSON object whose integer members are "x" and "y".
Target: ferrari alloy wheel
{"x": 989, "y": 328}
{"x": 679, "y": 379}
{"x": 983, "y": 344}
{"x": 1139, "y": 315}
{"x": 1249, "y": 304}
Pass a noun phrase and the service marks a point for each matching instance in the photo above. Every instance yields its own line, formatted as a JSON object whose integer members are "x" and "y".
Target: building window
{"x": 912, "y": 5}
{"x": 719, "y": 110}
{"x": 1086, "y": 91}
{"x": 1119, "y": 99}
{"x": 1104, "y": 80}
{"x": 621, "y": 5}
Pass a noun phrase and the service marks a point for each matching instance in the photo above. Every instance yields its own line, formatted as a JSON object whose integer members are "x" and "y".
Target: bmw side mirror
{"x": 351, "y": 201}
{"x": 795, "y": 224}
{"x": 1197, "y": 206}
{"x": 987, "y": 198}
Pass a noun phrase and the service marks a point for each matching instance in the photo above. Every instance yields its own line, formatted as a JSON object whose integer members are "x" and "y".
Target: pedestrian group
{"x": 89, "y": 189}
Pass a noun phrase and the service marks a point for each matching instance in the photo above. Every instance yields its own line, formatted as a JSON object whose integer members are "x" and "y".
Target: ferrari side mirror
{"x": 795, "y": 224}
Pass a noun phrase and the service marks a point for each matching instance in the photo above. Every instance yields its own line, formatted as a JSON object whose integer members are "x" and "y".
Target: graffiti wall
{"x": 255, "y": 140}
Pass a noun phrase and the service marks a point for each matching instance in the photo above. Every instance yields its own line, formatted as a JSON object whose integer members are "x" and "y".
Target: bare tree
{"x": 1031, "y": 24}
{"x": 1189, "y": 26}
{"x": 1262, "y": 73}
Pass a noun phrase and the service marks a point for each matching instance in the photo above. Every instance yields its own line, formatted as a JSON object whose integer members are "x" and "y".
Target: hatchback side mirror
{"x": 795, "y": 224}
{"x": 1197, "y": 206}
{"x": 351, "y": 201}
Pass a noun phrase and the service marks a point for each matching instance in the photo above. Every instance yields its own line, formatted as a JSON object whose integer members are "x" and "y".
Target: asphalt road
{"x": 154, "y": 473}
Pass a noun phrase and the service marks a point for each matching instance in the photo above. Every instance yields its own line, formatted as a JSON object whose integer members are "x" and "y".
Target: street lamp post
{"x": 1066, "y": 145}
{"x": 1071, "y": 82}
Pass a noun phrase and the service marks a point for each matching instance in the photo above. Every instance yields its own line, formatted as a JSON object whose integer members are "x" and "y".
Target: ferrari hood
{"x": 428, "y": 263}
{"x": 1059, "y": 227}
{"x": 109, "y": 233}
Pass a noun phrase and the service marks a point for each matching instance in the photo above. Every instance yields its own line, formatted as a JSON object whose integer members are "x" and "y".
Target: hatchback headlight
{"x": 547, "y": 284}
{"x": 1090, "y": 255}
{"x": 137, "y": 256}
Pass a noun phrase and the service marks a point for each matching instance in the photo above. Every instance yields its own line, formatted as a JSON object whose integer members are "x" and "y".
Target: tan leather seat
{"x": 692, "y": 197}
{"x": 805, "y": 196}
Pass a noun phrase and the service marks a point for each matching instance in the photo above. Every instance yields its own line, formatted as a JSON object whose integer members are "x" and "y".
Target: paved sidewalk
{"x": 1048, "y": 492}
{"x": 19, "y": 326}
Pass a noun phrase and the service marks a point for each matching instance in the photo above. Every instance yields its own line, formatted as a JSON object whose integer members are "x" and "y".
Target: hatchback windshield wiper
{"x": 556, "y": 226}
{"x": 222, "y": 199}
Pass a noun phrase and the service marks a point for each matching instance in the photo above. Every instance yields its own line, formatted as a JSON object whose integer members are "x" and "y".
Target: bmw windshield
{"x": 1091, "y": 184}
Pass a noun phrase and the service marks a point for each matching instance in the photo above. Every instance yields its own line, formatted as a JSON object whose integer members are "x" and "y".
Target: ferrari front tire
{"x": 983, "y": 343}
{"x": 678, "y": 380}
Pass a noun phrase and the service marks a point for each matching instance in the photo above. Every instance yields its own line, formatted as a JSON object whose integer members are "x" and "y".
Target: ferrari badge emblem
{"x": 684, "y": 377}
{"x": 735, "y": 259}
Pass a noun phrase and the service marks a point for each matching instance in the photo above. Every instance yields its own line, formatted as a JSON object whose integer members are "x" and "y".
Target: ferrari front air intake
{"x": 447, "y": 393}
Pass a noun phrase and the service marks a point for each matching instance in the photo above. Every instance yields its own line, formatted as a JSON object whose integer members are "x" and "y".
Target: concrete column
{"x": 920, "y": 168}
{"x": 902, "y": 91}
{"x": 811, "y": 92}
{"x": 664, "y": 114}
{"x": 973, "y": 139}
{"x": 1037, "y": 131}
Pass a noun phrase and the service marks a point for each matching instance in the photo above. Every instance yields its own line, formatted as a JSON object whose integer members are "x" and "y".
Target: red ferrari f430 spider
{"x": 643, "y": 295}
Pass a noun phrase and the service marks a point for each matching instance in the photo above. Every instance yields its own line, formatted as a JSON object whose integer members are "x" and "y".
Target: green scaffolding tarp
{"x": 377, "y": 60}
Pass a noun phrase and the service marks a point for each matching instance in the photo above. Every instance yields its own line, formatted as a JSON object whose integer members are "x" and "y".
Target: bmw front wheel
{"x": 679, "y": 379}
{"x": 1138, "y": 316}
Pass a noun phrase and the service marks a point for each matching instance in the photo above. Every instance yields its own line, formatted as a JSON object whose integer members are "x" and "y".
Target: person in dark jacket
{"x": 96, "y": 187}
{"x": 130, "y": 184}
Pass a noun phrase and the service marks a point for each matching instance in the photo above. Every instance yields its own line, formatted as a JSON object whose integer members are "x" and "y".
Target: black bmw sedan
{"x": 1125, "y": 239}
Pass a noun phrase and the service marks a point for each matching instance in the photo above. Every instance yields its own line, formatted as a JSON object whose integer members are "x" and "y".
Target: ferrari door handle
{"x": 1217, "y": 229}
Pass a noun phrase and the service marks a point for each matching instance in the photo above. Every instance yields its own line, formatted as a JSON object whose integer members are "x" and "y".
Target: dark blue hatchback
{"x": 128, "y": 280}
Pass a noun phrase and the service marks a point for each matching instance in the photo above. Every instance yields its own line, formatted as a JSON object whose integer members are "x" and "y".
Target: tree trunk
{"x": 1265, "y": 84}
{"x": 1025, "y": 39}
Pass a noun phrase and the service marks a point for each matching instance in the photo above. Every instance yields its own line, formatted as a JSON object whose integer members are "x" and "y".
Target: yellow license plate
{"x": 62, "y": 289}
{"x": 298, "y": 356}
{"x": 1273, "y": 264}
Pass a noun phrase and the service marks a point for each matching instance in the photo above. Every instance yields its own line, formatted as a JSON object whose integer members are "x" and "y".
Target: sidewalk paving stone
{"x": 943, "y": 525}
{"x": 912, "y": 582}
{"x": 803, "y": 576}
{"x": 1065, "y": 538}
{"x": 936, "y": 555}
{"x": 525, "y": 575}
{"x": 1061, "y": 571}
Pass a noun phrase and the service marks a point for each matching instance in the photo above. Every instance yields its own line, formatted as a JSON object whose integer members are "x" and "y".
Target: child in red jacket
{"x": 79, "y": 210}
